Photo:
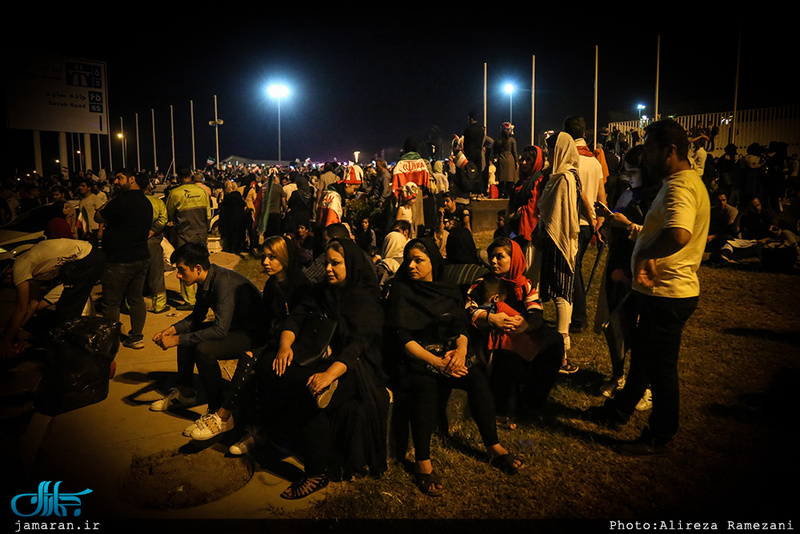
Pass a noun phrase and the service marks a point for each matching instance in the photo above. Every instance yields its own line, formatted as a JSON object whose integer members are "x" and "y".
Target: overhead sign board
{"x": 57, "y": 94}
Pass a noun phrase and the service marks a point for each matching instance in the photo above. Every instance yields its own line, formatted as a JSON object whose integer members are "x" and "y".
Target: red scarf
{"x": 516, "y": 274}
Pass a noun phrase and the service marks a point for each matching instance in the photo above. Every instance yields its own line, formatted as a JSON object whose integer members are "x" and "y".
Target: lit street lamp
{"x": 509, "y": 88}
{"x": 278, "y": 91}
{"x": 640, "y": 107}
{"x": 122, "y": 139}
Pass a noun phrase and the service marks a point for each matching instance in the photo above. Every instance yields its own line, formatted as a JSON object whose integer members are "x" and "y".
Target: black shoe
{"x": 606, "y": 416}
{"x": 575, "y": 328}
{"x": 184, "y": 307}
{"x": 644, "y": 446}
{"x": 162, "y": 310}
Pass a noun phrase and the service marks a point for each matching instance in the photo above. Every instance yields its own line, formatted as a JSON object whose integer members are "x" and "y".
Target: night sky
{"x": 368, "y": 84}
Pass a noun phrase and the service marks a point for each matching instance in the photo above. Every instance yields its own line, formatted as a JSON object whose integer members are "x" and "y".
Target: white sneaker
{"x": 198, "y": 422}
{"x": 174, "y": 399}
{"x": 249, "y": 442}
{"x": 646, "y": 402}
{"x": 211, "y": 426}
{"x": 611, "y": 386}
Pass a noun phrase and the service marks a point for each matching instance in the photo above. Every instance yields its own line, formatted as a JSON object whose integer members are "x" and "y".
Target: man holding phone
{"x": 667, "y": 254}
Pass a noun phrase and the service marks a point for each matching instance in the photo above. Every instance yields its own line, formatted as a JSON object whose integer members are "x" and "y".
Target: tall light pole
{"x": 278, "y": 92}
{"x": 509, "y": 88}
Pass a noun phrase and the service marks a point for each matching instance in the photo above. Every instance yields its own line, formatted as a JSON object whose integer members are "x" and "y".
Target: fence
{"x": 762, "y": 126}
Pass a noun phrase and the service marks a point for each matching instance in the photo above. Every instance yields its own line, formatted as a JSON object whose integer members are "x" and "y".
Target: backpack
{"x": 470, "y": 178}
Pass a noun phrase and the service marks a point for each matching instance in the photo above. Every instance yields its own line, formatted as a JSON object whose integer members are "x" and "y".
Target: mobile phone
{"x": 602, "y": 209}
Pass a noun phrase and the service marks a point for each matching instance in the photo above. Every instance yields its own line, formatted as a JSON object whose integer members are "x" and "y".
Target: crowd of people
{"x": 376, "y": 293}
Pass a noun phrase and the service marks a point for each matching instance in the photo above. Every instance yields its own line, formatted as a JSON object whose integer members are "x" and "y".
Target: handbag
{"x": 312, "y": 343}
{"x": 438, "y": 342}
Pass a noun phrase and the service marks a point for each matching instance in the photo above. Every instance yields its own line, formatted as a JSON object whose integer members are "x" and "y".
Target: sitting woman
{"x": 282, "y": 291}
{"x": 426, "y": 318}
{"x": 336, "y": 407}
{"x": 525, "y": 353}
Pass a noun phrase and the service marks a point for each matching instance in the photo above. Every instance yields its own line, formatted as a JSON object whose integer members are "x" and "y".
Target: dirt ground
{"x": 174, "y": 479}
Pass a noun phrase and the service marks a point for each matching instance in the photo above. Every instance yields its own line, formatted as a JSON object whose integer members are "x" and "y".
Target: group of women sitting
{"x": 340, "y": 350}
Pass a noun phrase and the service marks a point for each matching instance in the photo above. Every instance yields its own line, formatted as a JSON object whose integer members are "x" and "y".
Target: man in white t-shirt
{"x": 72, "y": 262}
{"x": 668, "y": 251}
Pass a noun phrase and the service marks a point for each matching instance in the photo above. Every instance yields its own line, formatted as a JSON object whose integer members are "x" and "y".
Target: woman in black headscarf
{"x": 232, "y": 219}
{"x": 301, "y": 204}
{"x": 426, "y": 318}
{"x": 463, "y": 264}
{"x": 339, "y": 405}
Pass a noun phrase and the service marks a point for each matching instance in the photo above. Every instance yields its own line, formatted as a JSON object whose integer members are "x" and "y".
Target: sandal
{"x": 428, "y": 482}
{"x": 305, "y": 487}
{"x": 568, "y": 369}
{"x": 505, "y": 463}
{"x": 506, "y": 422}
{"x": 323, "y": 398}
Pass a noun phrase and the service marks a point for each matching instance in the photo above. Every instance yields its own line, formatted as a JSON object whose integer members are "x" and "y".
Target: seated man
{"x": 724, "y": 224}
{"x": 759, "y": 229}
{"x": 238, "y": 326}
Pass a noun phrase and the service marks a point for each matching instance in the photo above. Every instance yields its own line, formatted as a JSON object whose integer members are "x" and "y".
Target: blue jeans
{"x": 126, "y": 281}
{"x": 654, "y": 361}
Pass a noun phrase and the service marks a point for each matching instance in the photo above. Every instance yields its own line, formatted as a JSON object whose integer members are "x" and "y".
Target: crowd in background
{"x": 403, "y": 235}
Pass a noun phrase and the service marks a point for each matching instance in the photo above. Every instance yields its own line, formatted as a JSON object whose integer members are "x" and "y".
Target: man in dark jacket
{"x": 238, "y": 327}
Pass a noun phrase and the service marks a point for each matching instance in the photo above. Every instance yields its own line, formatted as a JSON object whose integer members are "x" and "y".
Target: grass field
{"x": 735, "y": 456}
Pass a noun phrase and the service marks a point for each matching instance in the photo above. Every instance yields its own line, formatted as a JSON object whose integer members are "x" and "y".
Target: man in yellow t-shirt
{"x": 668, "y": 251}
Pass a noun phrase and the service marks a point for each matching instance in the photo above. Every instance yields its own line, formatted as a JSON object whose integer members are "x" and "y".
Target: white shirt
{"x": 682, "y": 202}
{"x": 591, "y": 174}
{"x": 43, "y": 261}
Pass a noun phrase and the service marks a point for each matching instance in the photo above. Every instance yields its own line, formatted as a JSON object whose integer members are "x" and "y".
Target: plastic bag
{"x": 78, "y": 367}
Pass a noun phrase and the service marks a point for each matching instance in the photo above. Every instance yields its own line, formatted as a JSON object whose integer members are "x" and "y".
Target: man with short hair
{"x": 126, "y": 220}
{"x": 668, "y": 252}
{"x": 238, "y": 326}
{"x": 188, "y": 211}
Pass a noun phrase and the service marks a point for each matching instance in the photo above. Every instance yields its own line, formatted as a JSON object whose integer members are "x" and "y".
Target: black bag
{"x": 312, "y": 343}
{"x": 438, "y": 340}
{"x": 78, "y": 366}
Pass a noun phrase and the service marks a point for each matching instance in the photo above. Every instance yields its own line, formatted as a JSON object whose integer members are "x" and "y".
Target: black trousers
{"x": 423, "y": 395}
{"x": 205, "y": 356}
{"x": 654, "y": 361}
{"x": 79, "y": 277}
{"x": 519, "y": 385}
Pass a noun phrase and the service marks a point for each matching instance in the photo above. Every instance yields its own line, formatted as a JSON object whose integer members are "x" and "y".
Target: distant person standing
{"x": 88, "y": 205}
{"x": 474, "y": 137}
{"x": 188, "y": 211}
{"x": 667, "y": 254}
{"x": 155, "y": 274}
{"x": 505, "y": 152}
{"x": 127, "y": 219}
{"x": 590, "y": 173}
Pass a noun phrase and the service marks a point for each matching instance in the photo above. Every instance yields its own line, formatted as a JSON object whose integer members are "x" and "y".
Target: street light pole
{"x": 510, "y": 90}
{"x": 278, "y": 92}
